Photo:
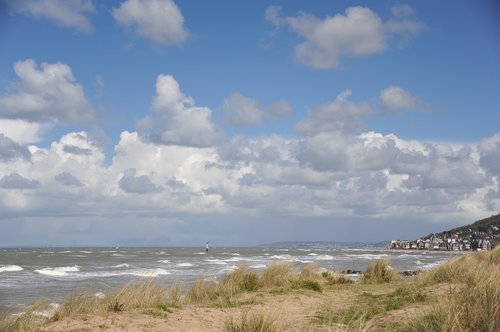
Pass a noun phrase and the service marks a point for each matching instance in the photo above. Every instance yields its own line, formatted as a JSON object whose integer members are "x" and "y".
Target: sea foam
{"x": 148, "y": 273}
{"x": 185, "y": 264}
{"x": 10, "y": 268}
{"x": 58, "y": 271}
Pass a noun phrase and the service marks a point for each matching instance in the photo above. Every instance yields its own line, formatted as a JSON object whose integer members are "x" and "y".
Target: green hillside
{"x": 488, "y": 227}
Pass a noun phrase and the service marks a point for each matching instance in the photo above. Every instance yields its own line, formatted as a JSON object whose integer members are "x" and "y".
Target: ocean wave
{"x": 58, "y": 271}
{"x": 288, "y": 257}
{"x": 184, "y": 265}
{"x": 428, "y": 266}
{"x": 368, "y": 256}
{"x": 312, "y": 254}
{"x": 258, "y": 266}
{"x": 216, "y": 261}
{"x": 165, "y": 261}
{"x": 121, "y": 265}
{"x": 147, "y": 272}
{"x": 10, "y": 268}
{"x": 324, "y": 258}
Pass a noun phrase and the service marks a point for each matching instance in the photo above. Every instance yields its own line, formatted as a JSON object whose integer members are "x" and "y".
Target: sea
{"x": 31, "y": 274}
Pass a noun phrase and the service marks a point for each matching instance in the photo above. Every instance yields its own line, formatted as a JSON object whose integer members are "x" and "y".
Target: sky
{"x": 173, "y": 123}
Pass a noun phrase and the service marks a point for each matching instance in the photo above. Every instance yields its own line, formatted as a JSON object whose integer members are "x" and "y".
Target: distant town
{"x": 481, "y": 235}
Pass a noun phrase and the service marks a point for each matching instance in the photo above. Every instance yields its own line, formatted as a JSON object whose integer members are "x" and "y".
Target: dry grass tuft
{"x": 240, "y": 280}
{"x": 277, "y": 275}
{"x": 146, "y": 294}
{"x": 251, "y": 322}
{"x": 380, "y": 272}
{"x": 310, "y": 272}
{"x": 201, "y": 291}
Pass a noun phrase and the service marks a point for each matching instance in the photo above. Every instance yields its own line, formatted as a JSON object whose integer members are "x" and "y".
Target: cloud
{"x": 65, "y": 13}
{"x": 47, "y": 93}
{"x": 22, "y": 131}
{"x": 326, "y": 174}
{"x": 137, "y": 184}
{"x": 396, "y": 98}
{"x": 357, "y": 33}
{"x": 241, "y": 111}
{"x": 177, "y": 120}
{"x": 11, "y": 150}
{"x": 157, "y": 20}
{"x": 339, "y": 116}
{"x": 67, "y": 179}
{"x": 16, "y": 181}
{"x": 490, "y": 154}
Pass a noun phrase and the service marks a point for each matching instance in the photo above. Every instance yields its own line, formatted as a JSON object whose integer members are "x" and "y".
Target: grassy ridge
{"x": 471, "y": 301}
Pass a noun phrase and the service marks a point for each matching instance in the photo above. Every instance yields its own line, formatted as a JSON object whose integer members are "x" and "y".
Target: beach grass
{"x": 256, "y": 321}
{"x": 473, "y": 302}
{"x": 380, "y": 272}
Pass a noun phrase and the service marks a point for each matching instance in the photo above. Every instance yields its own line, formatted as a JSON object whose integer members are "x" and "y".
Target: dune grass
{"x": 251, "y": 322}
{"x": 368, "y": 305}
{"x": 278, "y": 278}
{"x": 380, "y": 272}
{"x": 476, "y": 304}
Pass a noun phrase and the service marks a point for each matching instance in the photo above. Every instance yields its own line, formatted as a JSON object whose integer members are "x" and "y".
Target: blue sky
{"x": 246, "y": 122}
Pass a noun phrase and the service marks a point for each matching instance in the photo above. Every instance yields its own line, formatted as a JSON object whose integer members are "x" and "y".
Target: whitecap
{"x": 148, "y": 272}
{"x": 58, "y": 271}
{"x": 85, "y": 252}
{"x": 235, "y": 254}
{"x": 281, "y": 257}
{"x": 10, "y": 268}
{"x": 121, "y": 265}
{"x": 258, "y": 266}
{"x": 233, "y": 259}
{"x": 324, "y": 258}
{"x": 228, "y": 269}
{"x": 184, "y": 264}
{"x": 165, "y": 261}
{"x": 368, "y": 256}
{"x": 216, "y": 261}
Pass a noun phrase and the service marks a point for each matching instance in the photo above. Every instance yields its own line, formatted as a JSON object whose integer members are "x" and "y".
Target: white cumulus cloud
{"x": 396, "y": 98}
{"x": 46, "y": 93}
{"x": 341, "y": 116}
{"x": 357, "y": 33}
{"x": 240, "y": 110}
{"x": 158, "y": 20}
{"x": 66, "y": 13}
{"x": 177, "y": 120}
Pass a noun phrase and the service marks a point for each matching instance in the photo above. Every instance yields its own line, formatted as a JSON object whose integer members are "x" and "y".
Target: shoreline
{"x": 284, "y": 299}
